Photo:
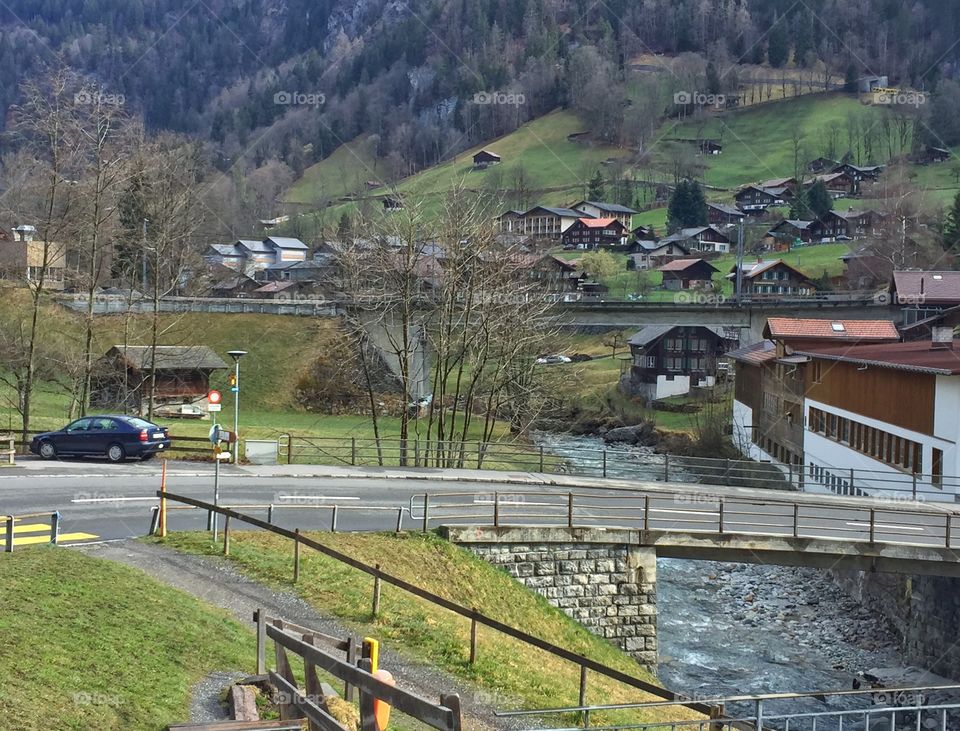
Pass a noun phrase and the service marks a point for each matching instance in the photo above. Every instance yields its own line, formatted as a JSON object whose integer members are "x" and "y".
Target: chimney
{"x": 941, "y": 337}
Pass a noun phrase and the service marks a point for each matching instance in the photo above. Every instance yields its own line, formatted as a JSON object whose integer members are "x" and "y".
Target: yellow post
{"x": 371, "y": 650}
{"x": 162, "y": 522}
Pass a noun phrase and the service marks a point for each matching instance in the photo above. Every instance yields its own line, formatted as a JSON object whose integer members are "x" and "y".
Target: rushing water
{"x": 733, "y": 629}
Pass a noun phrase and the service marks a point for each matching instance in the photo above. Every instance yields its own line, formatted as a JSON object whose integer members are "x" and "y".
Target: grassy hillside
{"x": 345, "y": 171}
{"x": 758, "y": 145}
{"x": 89, "y": 644}
{"x": 758, "y": 141}
{"x": 516, "y": 674}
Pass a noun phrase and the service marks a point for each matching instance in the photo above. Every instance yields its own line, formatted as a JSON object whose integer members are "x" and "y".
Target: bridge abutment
{"x": 595, "y": 576}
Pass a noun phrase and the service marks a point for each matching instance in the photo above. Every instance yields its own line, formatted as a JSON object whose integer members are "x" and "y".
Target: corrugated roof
{"x": 257, "y": 247}
{"x": 754, "y": 354}
{"x": 169, "y": 357}
{"x": 730, "y": 210}
{"x": 916, "y": 357}
{"x": 285, "y": 242}
{"x": 609, "y": 207}
{"x": 809, "y": 328}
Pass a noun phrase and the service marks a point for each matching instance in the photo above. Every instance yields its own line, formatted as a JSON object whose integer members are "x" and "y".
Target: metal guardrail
{"x": 10, "y": 522}
{"x": 604, "y": 463}
{"x": 929, "y": 707}
{"x": 696, "y": 513}
{"x": 476, "y": 618}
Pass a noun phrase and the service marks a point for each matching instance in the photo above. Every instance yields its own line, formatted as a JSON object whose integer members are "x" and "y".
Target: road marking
{"x": 62, "y": 538}
{"x": 888, "y": 525}
{"x": 281, "y": 498}
{"x": 35, "y": 528}
{"x": 487, "y": 501}
{"x": 118, "y": 499}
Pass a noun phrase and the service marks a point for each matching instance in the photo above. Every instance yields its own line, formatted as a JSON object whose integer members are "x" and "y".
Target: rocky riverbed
{"x": 727, "y": 629}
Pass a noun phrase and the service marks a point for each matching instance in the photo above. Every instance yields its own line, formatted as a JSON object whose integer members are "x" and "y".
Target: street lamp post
{"x": 235, "y": 388}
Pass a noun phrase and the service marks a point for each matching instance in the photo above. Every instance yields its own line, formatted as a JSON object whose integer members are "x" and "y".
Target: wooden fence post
{"x": 296, "y": 556}
{"x": 376, "y": 592}
{"x": 452, "y": 701}
{"x": 333, "y": 519}
{"x": 426, "y": 512}
{"x": 10, "y": 523}
{"x": 289, "y": 449}
{"x": 348, "y": 690}
{"x": 473, "y": 638}
{"x": 368, "y": 720}
{"x": 311, "y": 682}
{"x": 353, "y": 451}
{"x": 260, "y": 617}
{"x": 582, "y": 698}
{"x": 226, "y": 536}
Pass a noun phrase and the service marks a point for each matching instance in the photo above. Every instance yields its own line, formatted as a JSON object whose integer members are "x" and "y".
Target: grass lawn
{"x": 90, "y": 644}
{"x": 519, "y": 675}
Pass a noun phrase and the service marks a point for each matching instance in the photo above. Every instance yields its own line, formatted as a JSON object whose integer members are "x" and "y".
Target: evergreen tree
{"x": 714, "y": 84}
{"x": 819, "y": 200}
{"x": 800, "y": 208}
{"x": 850, "y": 78}
{"x": 596, "y": 188}
{"x": 778, "y": 46}
{"x": 951, "y": 226}
{"x": 687, "y": 207}
{"x": 343, "y": 228}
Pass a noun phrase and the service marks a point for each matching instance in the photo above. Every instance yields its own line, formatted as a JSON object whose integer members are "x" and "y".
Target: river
{"x": 731, "y": 629}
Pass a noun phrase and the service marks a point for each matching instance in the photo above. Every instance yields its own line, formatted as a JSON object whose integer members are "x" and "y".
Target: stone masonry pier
{"x": 594, "y": 575}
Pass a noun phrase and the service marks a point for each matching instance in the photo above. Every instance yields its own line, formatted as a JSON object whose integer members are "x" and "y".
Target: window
{"x": 936, "y": 468}
{"x": 817, "y": 371}
{"x": 651, "y": 361}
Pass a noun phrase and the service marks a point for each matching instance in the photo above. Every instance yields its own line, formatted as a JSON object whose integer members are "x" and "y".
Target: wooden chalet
{"x": 485, "y": 158}
{"x": 772, "y": 278}
{"x": 687, "y": 274}
{"x": 595, "y": 233}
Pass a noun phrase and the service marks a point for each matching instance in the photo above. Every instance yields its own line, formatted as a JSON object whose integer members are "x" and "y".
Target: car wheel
{"x": 115, "y": 453}
{"x": 47, "y": 450}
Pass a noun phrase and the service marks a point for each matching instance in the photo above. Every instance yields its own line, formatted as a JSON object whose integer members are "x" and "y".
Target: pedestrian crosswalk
{"x": 30, "y": 534}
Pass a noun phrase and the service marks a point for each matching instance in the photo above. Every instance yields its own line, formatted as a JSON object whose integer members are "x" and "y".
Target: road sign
{"x": 214, "y": 407}
{"x": 214, "y": 397}
{"x": 214, "y": 435}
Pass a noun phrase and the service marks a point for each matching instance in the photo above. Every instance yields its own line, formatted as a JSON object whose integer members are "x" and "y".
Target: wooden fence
{"x": 476, "y": 618}
{"x": 290, "y": 639}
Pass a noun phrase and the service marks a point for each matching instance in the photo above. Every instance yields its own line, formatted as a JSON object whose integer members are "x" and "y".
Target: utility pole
{"x": 738, "y": 282}
{"x": 235, "y": 388}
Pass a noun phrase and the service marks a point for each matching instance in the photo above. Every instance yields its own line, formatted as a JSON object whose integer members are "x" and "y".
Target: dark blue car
{"x": 114, "y": 437}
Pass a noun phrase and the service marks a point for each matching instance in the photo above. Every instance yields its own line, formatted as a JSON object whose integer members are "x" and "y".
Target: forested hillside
{"x": 282, "y": 83}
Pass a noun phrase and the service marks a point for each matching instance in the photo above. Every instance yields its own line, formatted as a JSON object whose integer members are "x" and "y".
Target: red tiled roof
{"x": 932, "y": 287}
{"x": 808, "y": 328}
{"x": 678, "y": 265}
{"x": 598, "y": 222}
{"x": 917, "y": 357}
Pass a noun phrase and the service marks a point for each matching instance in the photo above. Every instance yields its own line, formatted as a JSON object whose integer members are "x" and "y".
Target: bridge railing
{"x": 928, "y": 707}
{"x": 693, "y": 512}
{"x": 615, "y": 462}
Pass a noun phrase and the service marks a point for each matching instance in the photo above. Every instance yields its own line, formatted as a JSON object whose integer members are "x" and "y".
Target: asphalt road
{"x": 100, "y": 501}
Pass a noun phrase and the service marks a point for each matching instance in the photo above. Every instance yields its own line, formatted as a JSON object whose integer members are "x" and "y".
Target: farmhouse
{"x": 838, "y": 185}
{"x": 667, "y": 360}
{"x": 789, "y": 231}
{"x": 754, "y": 199}
{"x": 822, "y": 165}
{"x": 720, "y": 215}
{"x": 595, "y": 233}
{"x": 859, "y": 172}
{"x": 700, "y": 238}
{"x": 687, "y": 273}
{"x": 485, "y": 158}
{"x": 26, "y": 259}
{"x": 123, "y": 376}
{"x": 599, "y": 209}
{"x": 850, "y": 224}
{"x": 651, "y": 254}
{"x": 774, "y": 277}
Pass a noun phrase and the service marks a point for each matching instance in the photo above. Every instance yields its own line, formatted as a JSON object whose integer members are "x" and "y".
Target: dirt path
{"x": 217, "y": 582}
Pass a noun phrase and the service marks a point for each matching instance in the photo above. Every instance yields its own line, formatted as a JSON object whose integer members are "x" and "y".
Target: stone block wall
{"x": 925, "y": 611}
{"x": 609, "y": 589}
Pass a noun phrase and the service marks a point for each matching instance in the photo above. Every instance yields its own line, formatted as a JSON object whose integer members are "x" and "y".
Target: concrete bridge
{"x": 594, "y": 554}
